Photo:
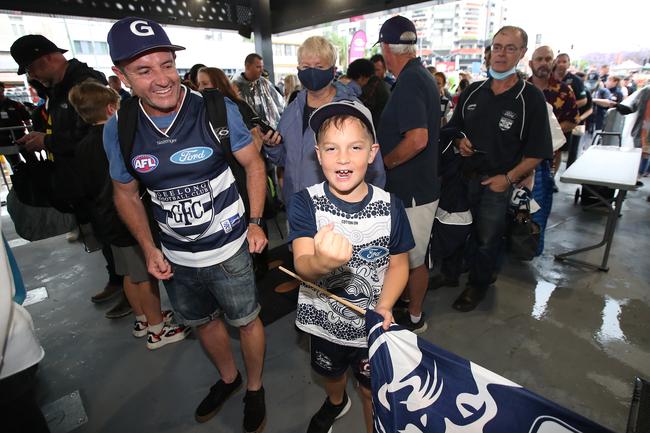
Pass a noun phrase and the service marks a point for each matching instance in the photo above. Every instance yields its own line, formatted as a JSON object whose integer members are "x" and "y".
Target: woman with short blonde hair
{"x": 293, "y": 148}
{"x": 319, "y": 47}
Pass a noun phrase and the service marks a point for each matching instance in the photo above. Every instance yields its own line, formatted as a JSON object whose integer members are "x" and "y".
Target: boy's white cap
{"x": 344, "y": 106}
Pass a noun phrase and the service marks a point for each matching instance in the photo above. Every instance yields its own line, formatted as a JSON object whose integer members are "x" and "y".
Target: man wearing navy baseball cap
{"x": 204, "y": 258}
{"x": 408, "y": 137}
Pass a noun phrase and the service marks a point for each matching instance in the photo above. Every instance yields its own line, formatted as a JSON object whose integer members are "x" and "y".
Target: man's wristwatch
{"x": 256, "y": 221}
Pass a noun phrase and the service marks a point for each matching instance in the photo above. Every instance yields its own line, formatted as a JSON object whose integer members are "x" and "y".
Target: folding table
{"x": 613, "y": 167}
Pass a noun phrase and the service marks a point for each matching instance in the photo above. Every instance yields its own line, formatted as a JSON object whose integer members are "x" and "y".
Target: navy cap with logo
{"x": 393, "y": 28}
{"x": 342, "y": 107}
{"x": 26, "y": 49}
{"x": 132, "y": 36}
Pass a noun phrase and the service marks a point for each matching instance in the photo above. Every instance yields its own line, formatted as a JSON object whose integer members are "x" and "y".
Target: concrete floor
{"x": 576, "y": 336}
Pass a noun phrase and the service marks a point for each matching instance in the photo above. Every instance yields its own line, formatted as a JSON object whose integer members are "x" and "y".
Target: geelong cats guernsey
{"x": 195, "y": 200}
{"x": 360, "y": 281}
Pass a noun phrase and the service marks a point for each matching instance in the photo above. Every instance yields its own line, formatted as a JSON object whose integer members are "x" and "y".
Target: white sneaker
{"x": 140, "y": 326}
{"x": 171, "y": 333}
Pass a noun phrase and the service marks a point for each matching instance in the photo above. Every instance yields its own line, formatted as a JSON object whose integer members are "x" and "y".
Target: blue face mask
{"x": 316, "y": 79}
{"x": 502, "y": 75}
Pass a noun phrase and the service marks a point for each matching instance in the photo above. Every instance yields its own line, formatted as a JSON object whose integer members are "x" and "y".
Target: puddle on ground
{"x": 610, "y": 330}
{"x": 543, "y": 292}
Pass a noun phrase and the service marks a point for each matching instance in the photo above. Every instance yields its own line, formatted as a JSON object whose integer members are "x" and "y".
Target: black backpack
{"x": 127, "y": 123}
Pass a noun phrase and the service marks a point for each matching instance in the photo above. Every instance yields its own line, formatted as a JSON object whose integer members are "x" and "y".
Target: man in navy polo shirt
{"x": 408, "y": 138}
{"x": 206, "y": 243}
{"x": 505, "y": 134}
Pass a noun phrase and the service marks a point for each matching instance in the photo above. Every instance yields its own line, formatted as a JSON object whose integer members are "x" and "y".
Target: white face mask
{"x": 502, "y": 75}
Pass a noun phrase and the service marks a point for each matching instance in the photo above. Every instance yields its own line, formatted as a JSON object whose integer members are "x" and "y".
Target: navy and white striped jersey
{"x": 195, "y": 200}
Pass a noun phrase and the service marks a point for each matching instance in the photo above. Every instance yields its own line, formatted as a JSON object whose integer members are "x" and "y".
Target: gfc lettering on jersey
{"x": 188, "y": 205}
{"x": 144, "y": 163}
{"x": 191, "y": 155}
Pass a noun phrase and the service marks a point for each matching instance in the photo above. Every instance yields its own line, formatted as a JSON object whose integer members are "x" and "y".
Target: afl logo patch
{"x": 371, "y": 254}
{"x": 191, "y": 155}
{"x": 144, "y": 163}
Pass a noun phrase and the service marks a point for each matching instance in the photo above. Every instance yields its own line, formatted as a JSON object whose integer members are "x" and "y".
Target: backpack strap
{"x": 217, "y": 116}
{"x": 127, "y": 124}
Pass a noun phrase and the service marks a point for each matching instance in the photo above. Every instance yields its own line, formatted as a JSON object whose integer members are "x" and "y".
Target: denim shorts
{"x": 200, "y": 295}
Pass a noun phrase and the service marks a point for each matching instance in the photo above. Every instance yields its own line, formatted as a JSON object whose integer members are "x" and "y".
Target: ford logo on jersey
{"x": 371, "y": 254}
{"x": 144, "y": 163}
{"x": 191, "y": 155}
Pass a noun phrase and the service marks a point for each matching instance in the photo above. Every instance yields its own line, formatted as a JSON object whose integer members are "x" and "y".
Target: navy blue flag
{"x": 418, "y": 387}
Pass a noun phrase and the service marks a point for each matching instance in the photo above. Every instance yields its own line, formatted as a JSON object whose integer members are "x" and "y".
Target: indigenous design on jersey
{"x": 193, "y": 192}
{"x": 360, "y": 281}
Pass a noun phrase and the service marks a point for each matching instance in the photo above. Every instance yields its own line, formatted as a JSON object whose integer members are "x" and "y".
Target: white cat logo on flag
{"x": 418, "y": 387}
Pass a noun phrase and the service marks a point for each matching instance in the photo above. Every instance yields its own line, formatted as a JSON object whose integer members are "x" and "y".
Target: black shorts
{"x": 332, "y": 360}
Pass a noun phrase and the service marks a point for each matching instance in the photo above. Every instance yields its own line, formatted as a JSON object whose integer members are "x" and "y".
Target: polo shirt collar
{"x": 412, "y": 63}
{"x": 515, "y": 89}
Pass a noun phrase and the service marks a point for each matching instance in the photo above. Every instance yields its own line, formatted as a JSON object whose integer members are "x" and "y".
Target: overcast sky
{"x": 590, "y": 26}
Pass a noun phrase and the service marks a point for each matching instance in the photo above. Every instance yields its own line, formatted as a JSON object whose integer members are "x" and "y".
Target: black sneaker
{"x": 328, "y": 413}
{"x": 416, "y": 328}
{"x": 219, "y": 393}
{"x": 254, "y": 411}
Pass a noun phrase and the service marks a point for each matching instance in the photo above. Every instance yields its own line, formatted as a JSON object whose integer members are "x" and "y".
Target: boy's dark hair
{"x": 361, "y": 68}
{"x": 378, "y": 58}
{"x": 90, "y": 99}
{"x": 337, "y": 122}
{"x": 2, "y": 85}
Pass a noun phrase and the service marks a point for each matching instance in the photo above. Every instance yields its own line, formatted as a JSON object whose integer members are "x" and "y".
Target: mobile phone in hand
{"x": 265, "y": 127}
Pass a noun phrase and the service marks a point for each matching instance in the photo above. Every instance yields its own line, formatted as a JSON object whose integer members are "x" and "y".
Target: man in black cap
{"x": 205, "y": 239}
{"x": 408, "y": 138}
{"x": 44, "y": 62}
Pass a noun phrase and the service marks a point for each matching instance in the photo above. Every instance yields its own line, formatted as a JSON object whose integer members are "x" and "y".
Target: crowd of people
{"x": 172, "y": 176}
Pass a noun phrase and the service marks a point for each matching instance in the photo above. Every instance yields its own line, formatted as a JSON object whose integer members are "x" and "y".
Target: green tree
{"x": 341, "y": 44}
{"x": 374, "y": 50}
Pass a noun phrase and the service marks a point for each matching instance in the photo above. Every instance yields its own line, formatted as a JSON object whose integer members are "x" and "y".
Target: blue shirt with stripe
{"x": 193, "y": 192}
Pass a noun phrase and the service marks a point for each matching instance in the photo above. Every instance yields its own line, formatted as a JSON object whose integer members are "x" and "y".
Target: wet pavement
{"x": 576, "y": 336}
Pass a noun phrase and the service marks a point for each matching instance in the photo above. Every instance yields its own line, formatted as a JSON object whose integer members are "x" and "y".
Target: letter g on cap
{"x": 144, "y": 28}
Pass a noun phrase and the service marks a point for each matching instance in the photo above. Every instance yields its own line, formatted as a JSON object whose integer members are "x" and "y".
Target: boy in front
{"x": 96, "y": 103}
{"x": 351, "y": 238}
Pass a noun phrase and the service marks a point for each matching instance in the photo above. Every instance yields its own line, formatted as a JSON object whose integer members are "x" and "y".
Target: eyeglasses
{"x": 510, "y": 49}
